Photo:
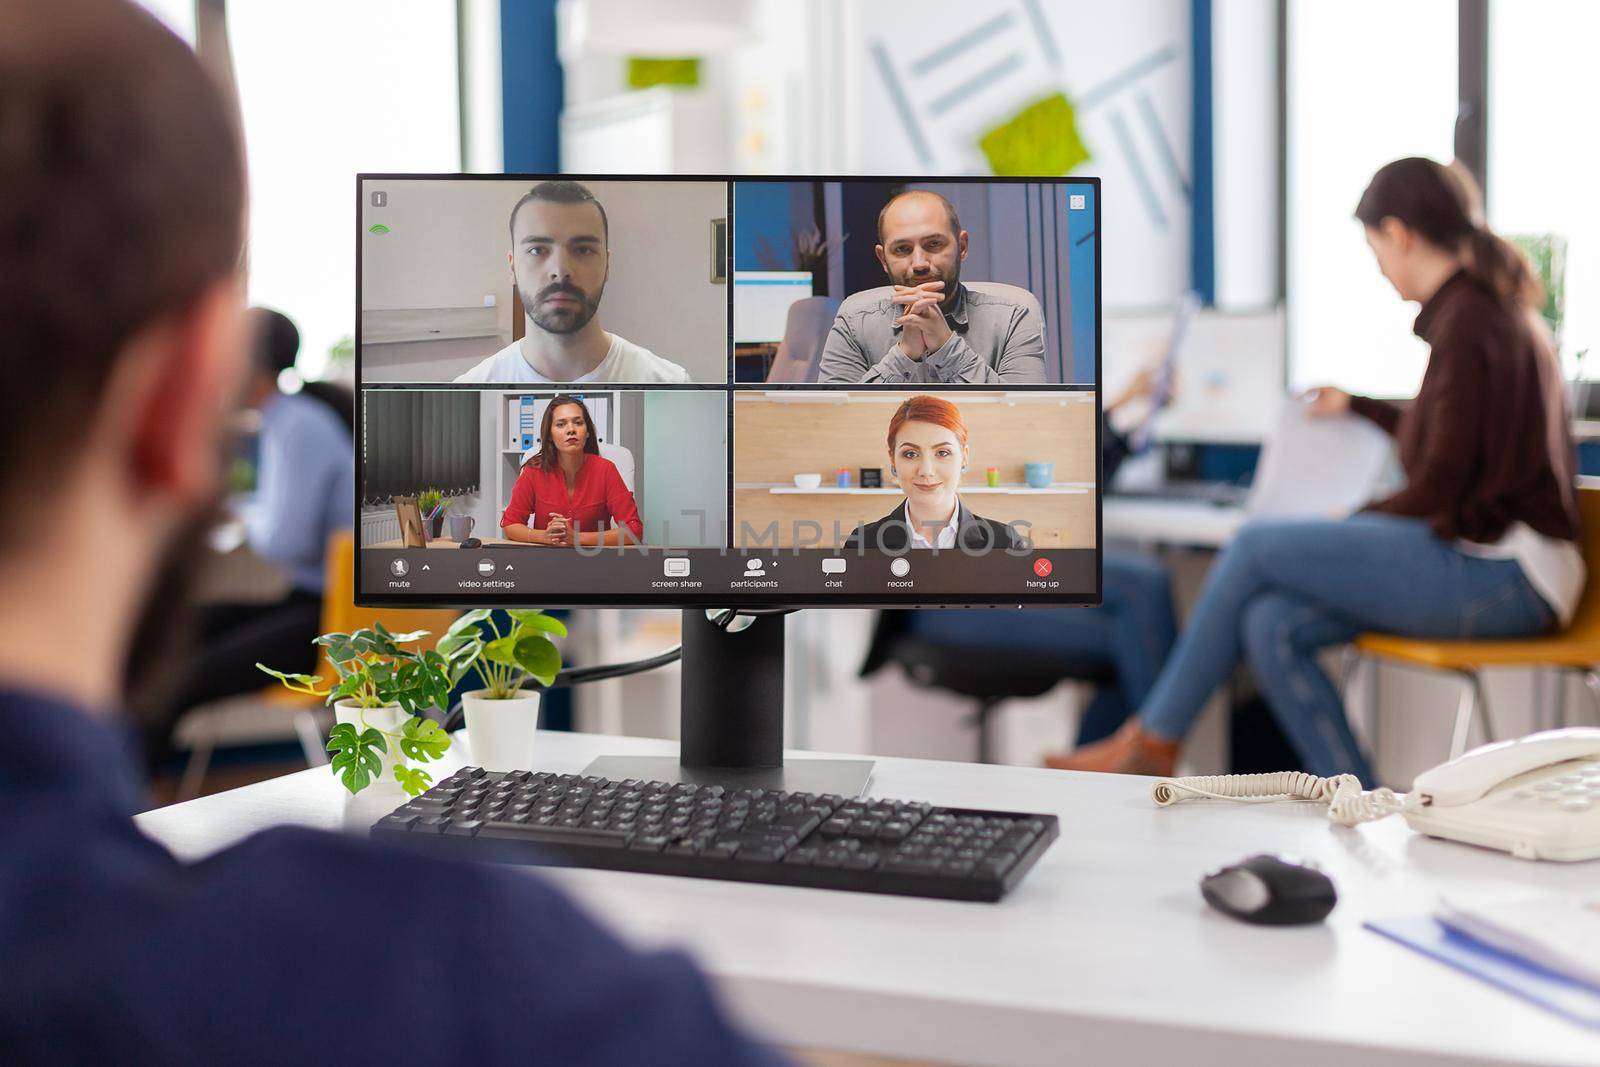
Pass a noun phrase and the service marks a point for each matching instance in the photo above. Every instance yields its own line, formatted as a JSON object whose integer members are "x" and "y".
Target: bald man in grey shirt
{"x": 928, "y": 327}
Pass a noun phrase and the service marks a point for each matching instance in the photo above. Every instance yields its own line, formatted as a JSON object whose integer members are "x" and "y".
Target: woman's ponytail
{"x": 1500, "y": 266}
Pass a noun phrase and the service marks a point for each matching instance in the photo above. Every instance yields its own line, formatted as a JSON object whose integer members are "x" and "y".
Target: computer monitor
{"x": 554, "y": 356}
{"x": 761, "y": 302}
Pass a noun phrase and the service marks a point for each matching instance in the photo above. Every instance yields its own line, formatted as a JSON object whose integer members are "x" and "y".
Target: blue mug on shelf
{"x": 1038, "y": 475}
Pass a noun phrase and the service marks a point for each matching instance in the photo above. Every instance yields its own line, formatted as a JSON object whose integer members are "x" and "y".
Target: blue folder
{"x": 1554, "y": 992}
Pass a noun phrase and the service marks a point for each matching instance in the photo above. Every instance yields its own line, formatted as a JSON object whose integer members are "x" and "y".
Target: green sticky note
{"x": 1041, "y": 140}
{"x": 646, "y": 71}
{"x": 378, "y": 228}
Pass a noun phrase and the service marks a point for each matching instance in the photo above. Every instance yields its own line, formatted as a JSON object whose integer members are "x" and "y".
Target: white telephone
{"x": 1537, "y": 797}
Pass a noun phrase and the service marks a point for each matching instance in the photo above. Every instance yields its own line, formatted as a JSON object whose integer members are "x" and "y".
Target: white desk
{"x": 1151, "y": 520}
{"x": 1104, "y": 955}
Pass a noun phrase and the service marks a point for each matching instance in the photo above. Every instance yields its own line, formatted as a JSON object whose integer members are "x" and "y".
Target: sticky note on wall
{"x": 1041, "y": 140}
{"x": 647, "y": 71}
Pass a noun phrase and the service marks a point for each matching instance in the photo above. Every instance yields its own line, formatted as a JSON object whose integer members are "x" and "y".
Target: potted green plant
{"x": 502, "y": 718}
{"x": 381, "y": 686}
{"x": 432, "y": 505}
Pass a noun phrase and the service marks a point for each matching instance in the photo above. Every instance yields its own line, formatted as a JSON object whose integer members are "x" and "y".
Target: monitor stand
{"x": 732, "y": 719}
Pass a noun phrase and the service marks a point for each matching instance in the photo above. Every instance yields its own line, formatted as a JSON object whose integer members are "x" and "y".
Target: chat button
{"x": 833, "y": 565}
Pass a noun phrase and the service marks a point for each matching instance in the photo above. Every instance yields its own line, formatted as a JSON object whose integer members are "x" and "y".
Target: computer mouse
{"x": 472, "y": 542}
{"x": 1270, "y": 890}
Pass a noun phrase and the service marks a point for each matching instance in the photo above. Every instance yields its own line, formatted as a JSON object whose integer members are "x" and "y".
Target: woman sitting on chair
{"x": 567, "y": 492}
{"x": 927, "y": 454}
{"x": 1481, "y": 542}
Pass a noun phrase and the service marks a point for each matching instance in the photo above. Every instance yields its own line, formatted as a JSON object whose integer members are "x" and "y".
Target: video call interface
{"x": 799, "y": 391}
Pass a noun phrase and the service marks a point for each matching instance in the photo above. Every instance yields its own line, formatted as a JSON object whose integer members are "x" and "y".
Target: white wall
{"x": 447, "y": 246}
{"x": 685, "y": 438}
{"x": 660, "y": 294}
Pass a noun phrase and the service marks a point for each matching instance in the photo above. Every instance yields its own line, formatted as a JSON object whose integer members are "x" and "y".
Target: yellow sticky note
{"x": 1041, "y": 140}
{"x": 645, "y": 71}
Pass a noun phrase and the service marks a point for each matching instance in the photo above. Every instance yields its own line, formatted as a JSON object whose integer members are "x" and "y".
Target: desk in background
{"x": 1105, "y": 954}
{"x": 447, "y": 542}
{"x": 489, "y": 542}
{"x": 753, "y": 362}
{"x": 1152, "y": 520}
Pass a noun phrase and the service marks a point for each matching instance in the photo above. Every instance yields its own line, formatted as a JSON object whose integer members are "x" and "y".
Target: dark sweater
{"x": 1486, "y": 442}
{"x": 295, "y": 946}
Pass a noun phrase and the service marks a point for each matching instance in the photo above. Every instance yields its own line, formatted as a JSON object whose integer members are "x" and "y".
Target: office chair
{"x": 805, "y": 331}
{"x": 1575, "y": 649}
{"x": 339, "y": 615}
{"x": 990, "y": 656}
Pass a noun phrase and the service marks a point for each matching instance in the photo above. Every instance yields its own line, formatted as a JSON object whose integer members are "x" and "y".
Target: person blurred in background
{"x": 1482, "y": 542}
{"x": 305, "y": 485}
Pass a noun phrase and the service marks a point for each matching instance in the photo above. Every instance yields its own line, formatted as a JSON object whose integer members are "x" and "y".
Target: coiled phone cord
{"x": 1348, "y": 804}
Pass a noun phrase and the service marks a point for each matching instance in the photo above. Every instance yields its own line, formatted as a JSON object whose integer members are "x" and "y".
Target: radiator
{"x": 379, "y": 525}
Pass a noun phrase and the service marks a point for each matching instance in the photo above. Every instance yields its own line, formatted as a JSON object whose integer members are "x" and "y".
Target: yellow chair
{"x": 339, "y": 615}
{"x": 1575, "y": 649}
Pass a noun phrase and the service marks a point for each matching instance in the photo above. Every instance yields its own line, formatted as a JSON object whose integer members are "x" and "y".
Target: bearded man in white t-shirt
{"x": 560, "y": 258}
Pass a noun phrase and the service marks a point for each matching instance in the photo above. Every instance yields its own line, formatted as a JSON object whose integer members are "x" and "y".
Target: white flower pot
{"x": 388, "y": 719}
{"x": 500, "y": 733}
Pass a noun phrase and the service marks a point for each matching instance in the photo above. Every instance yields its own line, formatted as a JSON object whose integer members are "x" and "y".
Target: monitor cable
{"x": 726, "y": 618}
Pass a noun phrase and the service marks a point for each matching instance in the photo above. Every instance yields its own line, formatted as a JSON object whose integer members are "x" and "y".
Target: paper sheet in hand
{"x": 1318, "y": 467}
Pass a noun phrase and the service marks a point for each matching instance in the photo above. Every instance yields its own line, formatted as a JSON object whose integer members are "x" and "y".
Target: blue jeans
{"x": 1285, "y": 589}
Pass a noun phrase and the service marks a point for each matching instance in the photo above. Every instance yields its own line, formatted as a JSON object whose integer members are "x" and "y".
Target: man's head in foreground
{"x": 559, "y": 255}
{"x": 920, "y": 240}
{"x": 122, "y": 211}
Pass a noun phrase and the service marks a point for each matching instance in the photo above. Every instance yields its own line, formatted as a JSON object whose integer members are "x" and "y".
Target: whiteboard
{"x": 930, "y": 86}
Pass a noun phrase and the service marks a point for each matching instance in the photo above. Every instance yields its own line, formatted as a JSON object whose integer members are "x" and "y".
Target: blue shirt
{"x": 297, "y": 946}
{"x": 305, "y": 486}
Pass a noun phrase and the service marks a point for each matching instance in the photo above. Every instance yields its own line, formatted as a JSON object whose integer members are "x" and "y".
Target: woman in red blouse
{"x": 568, "y": 491}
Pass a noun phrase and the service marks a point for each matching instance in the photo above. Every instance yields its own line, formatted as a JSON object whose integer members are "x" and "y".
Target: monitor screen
{"x": 761, "y": 302}
{"x": 708, "y": 391}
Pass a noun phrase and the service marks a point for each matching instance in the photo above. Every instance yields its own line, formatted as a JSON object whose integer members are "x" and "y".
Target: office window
{"x": 1367, "y": 81}
{"x": 329, "y": 90}
{"x": 1544, "y": 152}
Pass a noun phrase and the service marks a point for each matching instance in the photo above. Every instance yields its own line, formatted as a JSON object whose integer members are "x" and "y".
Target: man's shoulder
{"x": 636, "y": 363}
{"x": 867, "y": 301}
{"x": 1000, "y": 296}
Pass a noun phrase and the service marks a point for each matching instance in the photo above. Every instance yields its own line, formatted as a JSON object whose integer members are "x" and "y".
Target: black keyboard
{"x": 706, "y": 831}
